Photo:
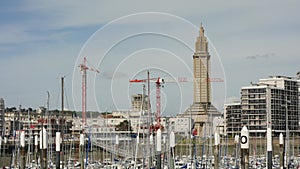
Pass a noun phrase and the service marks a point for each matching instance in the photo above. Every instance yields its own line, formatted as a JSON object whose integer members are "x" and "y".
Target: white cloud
{"x": 62, "y": 14}
{"x": 11, "y": 34}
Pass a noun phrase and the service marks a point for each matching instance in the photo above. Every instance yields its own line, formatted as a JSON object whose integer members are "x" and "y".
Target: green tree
{"x": 124, "y": 126}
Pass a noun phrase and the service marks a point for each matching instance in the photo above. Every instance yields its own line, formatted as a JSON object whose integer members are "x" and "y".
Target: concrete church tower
{"x": 201, "y": 59}
{"x": 201, "y": 110}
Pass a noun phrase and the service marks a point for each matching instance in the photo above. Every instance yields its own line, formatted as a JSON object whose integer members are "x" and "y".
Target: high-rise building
{"x": 202, "y": 111}
{"x": 2, "y": 118}
{"x": 139, "y": 102}
{"x": 272, "y": 102}
{"x": 232, "y": 116}
{"x": 2, "y": 105}
{"x": 288, "y": 108}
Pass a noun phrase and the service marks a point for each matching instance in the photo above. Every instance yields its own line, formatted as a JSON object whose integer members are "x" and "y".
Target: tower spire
{"x": 201, "y": 42}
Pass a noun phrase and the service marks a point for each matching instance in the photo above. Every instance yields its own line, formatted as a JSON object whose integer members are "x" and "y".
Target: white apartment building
{"x": 272, "y": 102}
{"x": 181, "y": 125}
{"x": 2, "y": 121}
{"x": 232, "y": 116}
{"x": 139, "y": 102}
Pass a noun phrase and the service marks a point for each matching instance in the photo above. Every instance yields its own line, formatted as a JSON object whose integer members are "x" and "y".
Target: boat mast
{"x": 49, "y": 156}
{"x": 287, "y": 136}
{"x": 19, "y": 138}
{"x": 61, "y": 119}
{"x": 149, "y": 122}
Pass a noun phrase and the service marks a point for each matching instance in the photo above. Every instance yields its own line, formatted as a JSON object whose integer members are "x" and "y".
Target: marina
{"x": 252, "y": 136}
{"x": 143, "y": 98}
{"x": 104, "y": 151}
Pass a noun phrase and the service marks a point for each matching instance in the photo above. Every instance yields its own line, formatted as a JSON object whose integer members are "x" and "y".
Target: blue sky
{"x": 41, "y": 41}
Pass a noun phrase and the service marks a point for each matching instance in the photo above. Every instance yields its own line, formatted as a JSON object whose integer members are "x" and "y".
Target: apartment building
{"x": 232, "y": 116}
{"x": 271, "y": 102}
{"x": 2, "y": 121}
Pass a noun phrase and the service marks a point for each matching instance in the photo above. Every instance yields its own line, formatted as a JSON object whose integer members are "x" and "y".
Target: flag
{"x": 194, "y": 132}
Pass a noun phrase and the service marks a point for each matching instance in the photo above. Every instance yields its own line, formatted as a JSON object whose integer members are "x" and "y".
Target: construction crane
{"x": 160, "y": 83}
{"x": 83, "y": 68}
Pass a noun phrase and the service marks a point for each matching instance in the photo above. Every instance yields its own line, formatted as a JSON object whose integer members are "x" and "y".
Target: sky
{"x": 42, "y": 41}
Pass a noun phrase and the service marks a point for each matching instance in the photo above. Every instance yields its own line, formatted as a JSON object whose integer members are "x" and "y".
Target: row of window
{"x": 263, "y": 90}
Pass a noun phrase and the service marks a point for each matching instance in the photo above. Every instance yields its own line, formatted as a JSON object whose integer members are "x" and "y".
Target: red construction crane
{"x": 83, "y": 68}
{"x": 159, "y": 83}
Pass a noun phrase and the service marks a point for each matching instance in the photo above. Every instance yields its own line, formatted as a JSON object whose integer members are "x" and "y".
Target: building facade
{"x": 282, "y": 94}
{"x": 272, "y": 102}
{"x": 2, "y": 120}
{"x": 181, "y": 125}
{"x": 139, "y": 102}
{"x": 232, "y": 116}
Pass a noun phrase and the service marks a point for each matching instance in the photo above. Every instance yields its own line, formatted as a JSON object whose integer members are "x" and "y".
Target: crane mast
{"x": 83, "y": 68}
{"x": 158, "y": 83}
